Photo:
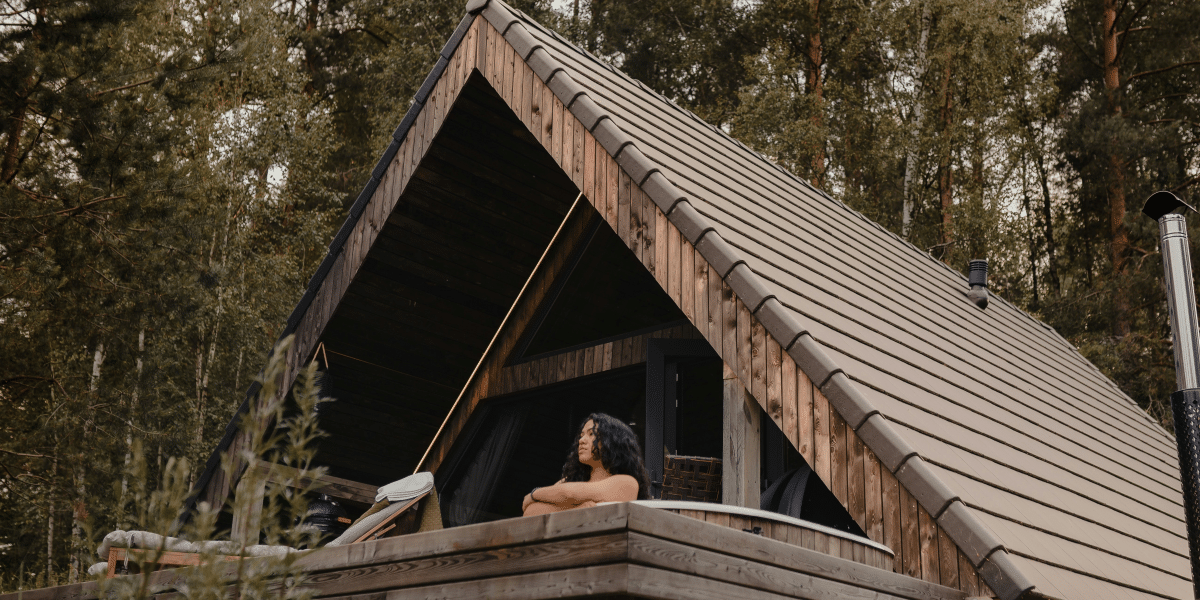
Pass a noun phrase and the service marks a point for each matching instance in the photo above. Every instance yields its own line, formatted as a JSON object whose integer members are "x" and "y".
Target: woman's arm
{"x": 617, "y": 488}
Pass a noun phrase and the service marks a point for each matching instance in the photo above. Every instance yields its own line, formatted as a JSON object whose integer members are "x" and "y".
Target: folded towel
{"x": 406, "y": 489}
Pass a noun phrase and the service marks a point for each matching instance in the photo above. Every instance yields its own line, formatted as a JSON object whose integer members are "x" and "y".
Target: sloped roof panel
{"x": 1080, "y": 485}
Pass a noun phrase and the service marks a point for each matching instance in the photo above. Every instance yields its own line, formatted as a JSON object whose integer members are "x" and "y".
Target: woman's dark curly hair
{"x": 618, "y": 449}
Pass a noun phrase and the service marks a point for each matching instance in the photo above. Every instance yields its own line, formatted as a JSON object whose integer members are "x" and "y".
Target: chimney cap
{"x": 1162, "y": 203}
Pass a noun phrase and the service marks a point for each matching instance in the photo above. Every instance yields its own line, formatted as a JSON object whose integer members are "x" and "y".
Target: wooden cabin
{"x": 546, "y": 237}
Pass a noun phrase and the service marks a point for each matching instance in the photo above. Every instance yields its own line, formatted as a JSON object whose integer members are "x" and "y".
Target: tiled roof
{"x": 1028, "y": 455}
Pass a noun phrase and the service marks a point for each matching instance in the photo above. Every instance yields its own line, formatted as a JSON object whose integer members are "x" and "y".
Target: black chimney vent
{"x": 978, "y": 280}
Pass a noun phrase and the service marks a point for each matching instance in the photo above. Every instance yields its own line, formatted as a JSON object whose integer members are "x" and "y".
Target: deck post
{"x": 741, "y": 445}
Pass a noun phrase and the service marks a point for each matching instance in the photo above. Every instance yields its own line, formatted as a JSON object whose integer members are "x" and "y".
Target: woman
{"x": 604, "y": 465}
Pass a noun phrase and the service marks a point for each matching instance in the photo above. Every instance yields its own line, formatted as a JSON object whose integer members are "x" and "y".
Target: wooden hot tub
{"x": 787, "y": 529}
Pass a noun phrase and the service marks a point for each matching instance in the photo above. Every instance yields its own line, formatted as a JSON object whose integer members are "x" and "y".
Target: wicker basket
{"x": 695, "y": 478}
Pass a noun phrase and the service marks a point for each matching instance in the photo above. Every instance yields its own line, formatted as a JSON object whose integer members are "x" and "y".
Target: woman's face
{"x": 587, "y": 440}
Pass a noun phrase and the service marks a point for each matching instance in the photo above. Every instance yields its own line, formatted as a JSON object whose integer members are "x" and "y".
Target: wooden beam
{"x": 741, "y": 444}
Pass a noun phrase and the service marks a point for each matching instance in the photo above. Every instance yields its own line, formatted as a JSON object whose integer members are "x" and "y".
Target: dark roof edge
{"x": 971, "y": 535}
{"x": 339, "y": 241}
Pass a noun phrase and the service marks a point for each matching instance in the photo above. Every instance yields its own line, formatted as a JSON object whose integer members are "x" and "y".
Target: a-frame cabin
{"x": 471, "y": 311}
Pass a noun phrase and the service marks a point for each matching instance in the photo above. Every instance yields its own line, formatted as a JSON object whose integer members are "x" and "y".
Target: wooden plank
{"x": 874, "y": 487}
{"x": 774, "y": 376}
{"x": 537, "y": 92}
{"x": 947, "y": 559}
{"x": 674, "y": 277}
{"x": 637, "y": 228}
{"x": 856, "y": 495}
{"x": 909, "y": 556}
{"x": 837, "y": 456}
{"x": 929, "y": 546}
{"x": 588, "y": 363}
{"x": 623, "y": 225}
{"x": 687, "y": 281}
{"x": 700, "y": 293}
{"x": 789, "y": 402}
{"x": 698, "y": 536}
{"x": 502, "y": 563}
{"x": 614, "y": 183}
{"x": 649, "y": 234}
{"x": 758, "y": 359}
{"x": 589, "y": 167}
{"x": 662, "y": 246}
{"x": 557, "y": 131}
{"x": 715, "y": 315}
{"x": 732, "y": 440}
{"x": 822, "y": 443}
{"x": 805, "y": 426}
{"x": 601, "y": 580}
{"x": 743, "y": 338}
{"x": 892, "y": 507}
{"x": 608, "y": 356}
{"x": 968, "y": 580}
{"x": 568, "y": 140}
{"x": 729, "y": 337}
{"x": 579, "y": 155}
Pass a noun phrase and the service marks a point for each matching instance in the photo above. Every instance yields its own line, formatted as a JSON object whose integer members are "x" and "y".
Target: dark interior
{"x": 450, "y": 260}
{"x": 607, "y": 292}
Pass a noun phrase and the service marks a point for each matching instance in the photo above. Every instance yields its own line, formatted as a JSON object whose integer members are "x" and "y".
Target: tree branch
{"x": 1162, "y": 70}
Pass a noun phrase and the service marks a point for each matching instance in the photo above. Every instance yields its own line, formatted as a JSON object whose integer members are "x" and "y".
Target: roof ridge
{"x": 981, "y": 546}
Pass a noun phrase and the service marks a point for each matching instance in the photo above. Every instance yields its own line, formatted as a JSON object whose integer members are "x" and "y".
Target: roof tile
{"x": 518, "y": 37}
{"x": 689, "y": 222}
{"x": 780, "y": 322}
{"x": 920, "y": 481}
{"x": 664, "y": 193}
{"x": 587, "y": 111}
{"x": 565, "y": 87}
{"x": 543, "y": 64}
{"x": 719, "y": 254}
{"x": 1005, "y": 579}
{"x": 973, "y": 538}
{"x": 849, "y": 402}
{"x": 813, "y": 360}
{"x": 749, "y": 287}
{"x": 612, "y": 137}
{"x": 635, "y": 163}
{"x": 887, "y": 444}
{"x": 499, "y": 16}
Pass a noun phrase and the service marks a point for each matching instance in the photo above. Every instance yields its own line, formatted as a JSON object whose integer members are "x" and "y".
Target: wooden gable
{"x": 896, "y": 495}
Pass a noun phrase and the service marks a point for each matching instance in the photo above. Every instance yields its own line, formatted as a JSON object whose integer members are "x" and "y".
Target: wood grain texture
{"x": 837, "y": 456}
{"x": 758, "y": 361}
{"x": 743, "y": 339}
{"x": 687, "y": 280}
{"x": 822, "y": 443}
{"x": 928, "y": 531}
{"x": 947, "y": 560}
{"x": 874, "y": 492}
{"x": 856, "y": 496}
{"x": 774, "y": 374}
{"x": 674, "y": 276}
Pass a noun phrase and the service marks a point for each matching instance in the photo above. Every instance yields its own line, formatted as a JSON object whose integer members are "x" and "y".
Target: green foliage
{"x": 170, "y": 175}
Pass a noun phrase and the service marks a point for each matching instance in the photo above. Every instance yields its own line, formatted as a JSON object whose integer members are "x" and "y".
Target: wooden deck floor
{"x": 613, "y": 551}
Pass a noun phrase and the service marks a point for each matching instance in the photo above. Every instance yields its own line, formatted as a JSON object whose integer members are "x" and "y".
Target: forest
{"x": 171, "y": 172}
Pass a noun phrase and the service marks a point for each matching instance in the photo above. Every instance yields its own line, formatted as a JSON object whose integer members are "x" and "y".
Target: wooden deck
{"x": 615, "y": 551}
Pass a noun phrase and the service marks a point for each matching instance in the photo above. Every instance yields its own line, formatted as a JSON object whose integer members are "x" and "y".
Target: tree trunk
{"x": 816, "y": 89}
{"x": 1051, "y": 250}
{"x": 133, "y": 407}
{"x": 1118, "y": 234}
{"x": 910, "y": 159}
{"x": 50, "y": 523}
{"x": 945, "y": 166}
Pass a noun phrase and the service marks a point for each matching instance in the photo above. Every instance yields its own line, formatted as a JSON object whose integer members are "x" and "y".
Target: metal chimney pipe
{"x": 1169, "y": 210}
